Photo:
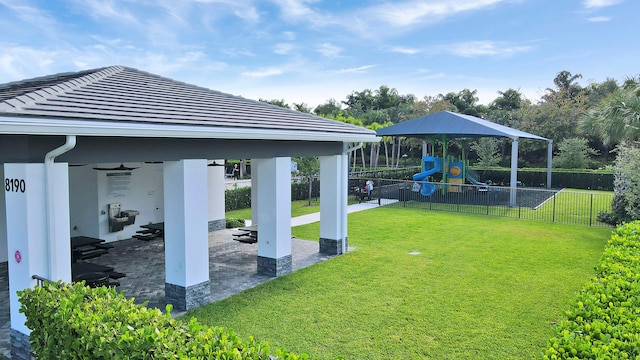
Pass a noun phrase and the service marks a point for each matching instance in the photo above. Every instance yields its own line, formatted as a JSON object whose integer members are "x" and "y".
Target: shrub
{"x": 72, "y": 321}
{"x": 603, "y": 322}
{"x": 233, "y": 223}
{"x": 239, "y": 198}
{"x": 626, "y": 202}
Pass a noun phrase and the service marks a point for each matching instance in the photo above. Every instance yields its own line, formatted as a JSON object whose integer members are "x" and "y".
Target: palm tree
{"x": 617, "y": 118}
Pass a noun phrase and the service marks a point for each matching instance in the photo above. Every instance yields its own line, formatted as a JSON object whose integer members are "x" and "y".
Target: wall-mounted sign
{"x": 118, "y": 184}
{"x": 17, "y": 256}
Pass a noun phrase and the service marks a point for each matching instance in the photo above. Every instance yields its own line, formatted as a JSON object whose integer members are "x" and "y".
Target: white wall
{"x": 83, "y": 201}
{"x": 216, "y": 185}
{"x": 89, "y": 199}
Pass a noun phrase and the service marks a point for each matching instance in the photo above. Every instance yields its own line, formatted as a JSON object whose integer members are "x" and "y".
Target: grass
{"x": 300, "y": 207}
{"x": 569, "y": 206}
{"x": 480, "y": 288}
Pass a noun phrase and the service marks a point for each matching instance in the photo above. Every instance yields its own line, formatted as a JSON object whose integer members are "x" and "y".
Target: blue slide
{"x": 427, "y": 189}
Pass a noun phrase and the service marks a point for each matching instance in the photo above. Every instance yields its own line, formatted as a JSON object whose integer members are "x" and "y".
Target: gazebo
{"x": 167, "y": 132}
{"x": 452, "y": 125}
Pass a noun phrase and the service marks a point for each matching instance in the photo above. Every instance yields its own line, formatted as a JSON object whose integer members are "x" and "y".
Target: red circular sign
{"x": 18, "y": 256}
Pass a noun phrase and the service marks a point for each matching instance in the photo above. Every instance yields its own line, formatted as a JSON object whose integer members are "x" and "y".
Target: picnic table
{"x": 86, "y": 247}
{"x": 150, "y": 231}
{"x": 247, "y": 234}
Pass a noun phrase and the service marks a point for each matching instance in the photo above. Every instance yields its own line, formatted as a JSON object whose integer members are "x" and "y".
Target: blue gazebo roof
{"x": 454, "y": 126}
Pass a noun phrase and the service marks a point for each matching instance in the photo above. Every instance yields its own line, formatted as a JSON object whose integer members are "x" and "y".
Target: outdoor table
{"x": 81, "y": 267}
{"x": 80, "y": 241}
{"x": 93, "y": 279}
{"x": 154, "y": 226}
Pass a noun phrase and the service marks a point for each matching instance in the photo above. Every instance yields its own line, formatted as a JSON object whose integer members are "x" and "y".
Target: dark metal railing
{"x": 561, "y": 206}
{"x": 40, "y": 281}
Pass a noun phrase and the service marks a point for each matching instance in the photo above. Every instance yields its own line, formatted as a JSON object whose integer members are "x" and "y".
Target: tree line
{"x": 586, "y": 123}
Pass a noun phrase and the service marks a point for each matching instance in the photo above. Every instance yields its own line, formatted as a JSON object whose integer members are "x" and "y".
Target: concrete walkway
{"x": 315, "y": 217}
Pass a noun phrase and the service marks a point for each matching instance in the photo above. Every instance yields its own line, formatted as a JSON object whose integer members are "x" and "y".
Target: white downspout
{"x": 50, "y": 200}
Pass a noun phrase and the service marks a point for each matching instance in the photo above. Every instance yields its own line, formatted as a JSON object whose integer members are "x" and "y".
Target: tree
{"x": 308, "y": 167}
{"x": 566, "y": 88}
{"x": 487, "y": 150}
{"x": 508, "y": 100}
{"x": 302, "y": 107}
{"x": 330, "y": 108}
{"x": 617, "y": 118}
{"x": 464, "y": 101}
{"x": 574, "y": 153}
{"x": 276, "y": 102}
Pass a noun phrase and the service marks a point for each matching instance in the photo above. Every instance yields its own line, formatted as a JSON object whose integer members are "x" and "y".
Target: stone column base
{"x": 219, "y": 224}
{"x": 274, "y": 267}
{"x": 331, "y": 246}
{"x": 187, "y": 298}
{"x": 20, "y": 345}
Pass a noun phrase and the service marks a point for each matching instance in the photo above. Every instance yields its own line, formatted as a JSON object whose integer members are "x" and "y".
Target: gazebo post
{"x": 514, "y": 172}
{"x": 549, "y": 161}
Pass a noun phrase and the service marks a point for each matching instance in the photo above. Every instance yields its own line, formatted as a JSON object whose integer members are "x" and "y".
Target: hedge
{"x": 240, "y": 198}
{"x": 559, "y": 179}
{"x": 73, "y": 321}
{"x": 604, "y": 321}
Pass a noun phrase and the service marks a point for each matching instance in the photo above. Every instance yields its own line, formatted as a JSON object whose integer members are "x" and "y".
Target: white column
{"x": 30, "y": 247}
{"x": 186, "y": 235}
{"x": 216, "y": 189}
{"x": 333, "y": 204}
{"x": 514, "y": 172}
{"x": 273, "y": 215}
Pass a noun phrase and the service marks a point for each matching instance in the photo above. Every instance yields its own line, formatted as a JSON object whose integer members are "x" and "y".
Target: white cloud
{"x": 592, "y": 4}
{"x": 412, "y": 12}
{"x": 283, "y": 48}
{"x": 599, "y": 19}
{"x": 482, "y": 48}
{"x": 295, "y": 9}
{"x": 289, "y": 35}
{"x": 329, "y": 50}
{"x": 404, "y": 50}
{"x": 233, "y": 52}
{"x": 355, "y": 70}
{"x": 263, "y": 73}
{"x": 107, "y": 9}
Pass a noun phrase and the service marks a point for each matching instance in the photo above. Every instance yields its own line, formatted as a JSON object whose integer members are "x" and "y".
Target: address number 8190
{"x": 15, "y": 185}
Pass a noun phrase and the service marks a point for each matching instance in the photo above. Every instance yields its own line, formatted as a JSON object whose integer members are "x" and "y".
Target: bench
{"x": 88, "y": 254}
{"x": 145, "y": 237}
{"x": 245, "y": 236}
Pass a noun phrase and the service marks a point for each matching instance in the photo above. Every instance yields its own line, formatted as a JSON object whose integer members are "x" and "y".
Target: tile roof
{"x": 119, "y": 94}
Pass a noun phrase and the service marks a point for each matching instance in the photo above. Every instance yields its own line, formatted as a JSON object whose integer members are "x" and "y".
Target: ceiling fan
{"x": 118, "y": 168}
{"x": 215, "y": 164}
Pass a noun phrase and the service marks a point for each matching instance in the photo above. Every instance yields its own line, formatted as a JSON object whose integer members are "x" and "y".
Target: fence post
{"x": 553, "y": 215}
{"x": 591, "y": 210}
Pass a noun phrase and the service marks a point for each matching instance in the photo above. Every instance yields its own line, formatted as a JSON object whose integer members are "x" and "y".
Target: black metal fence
{"x": 562, "y": 206}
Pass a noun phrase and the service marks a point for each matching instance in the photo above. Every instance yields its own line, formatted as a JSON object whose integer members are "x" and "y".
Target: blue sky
{"x": 311, "y": 50}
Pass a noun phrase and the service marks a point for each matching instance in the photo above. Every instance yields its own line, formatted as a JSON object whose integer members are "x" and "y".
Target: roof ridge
{"x": 52, "y": 91}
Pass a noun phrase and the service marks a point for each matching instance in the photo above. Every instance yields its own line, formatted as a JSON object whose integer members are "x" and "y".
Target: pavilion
{"x": 64, "y": 136}
{"x": 447, "y": 124}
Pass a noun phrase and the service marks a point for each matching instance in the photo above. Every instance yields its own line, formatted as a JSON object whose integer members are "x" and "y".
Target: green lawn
{"x": 570, "y": 206}
{"x": 300, "y": 207}
{"x": 480, "y": 288}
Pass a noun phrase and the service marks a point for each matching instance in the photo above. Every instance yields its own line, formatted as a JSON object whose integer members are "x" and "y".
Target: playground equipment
{"x": 454, "y": 173}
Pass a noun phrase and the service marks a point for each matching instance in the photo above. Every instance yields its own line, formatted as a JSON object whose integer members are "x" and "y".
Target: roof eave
{"x": 36, "y": 126}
